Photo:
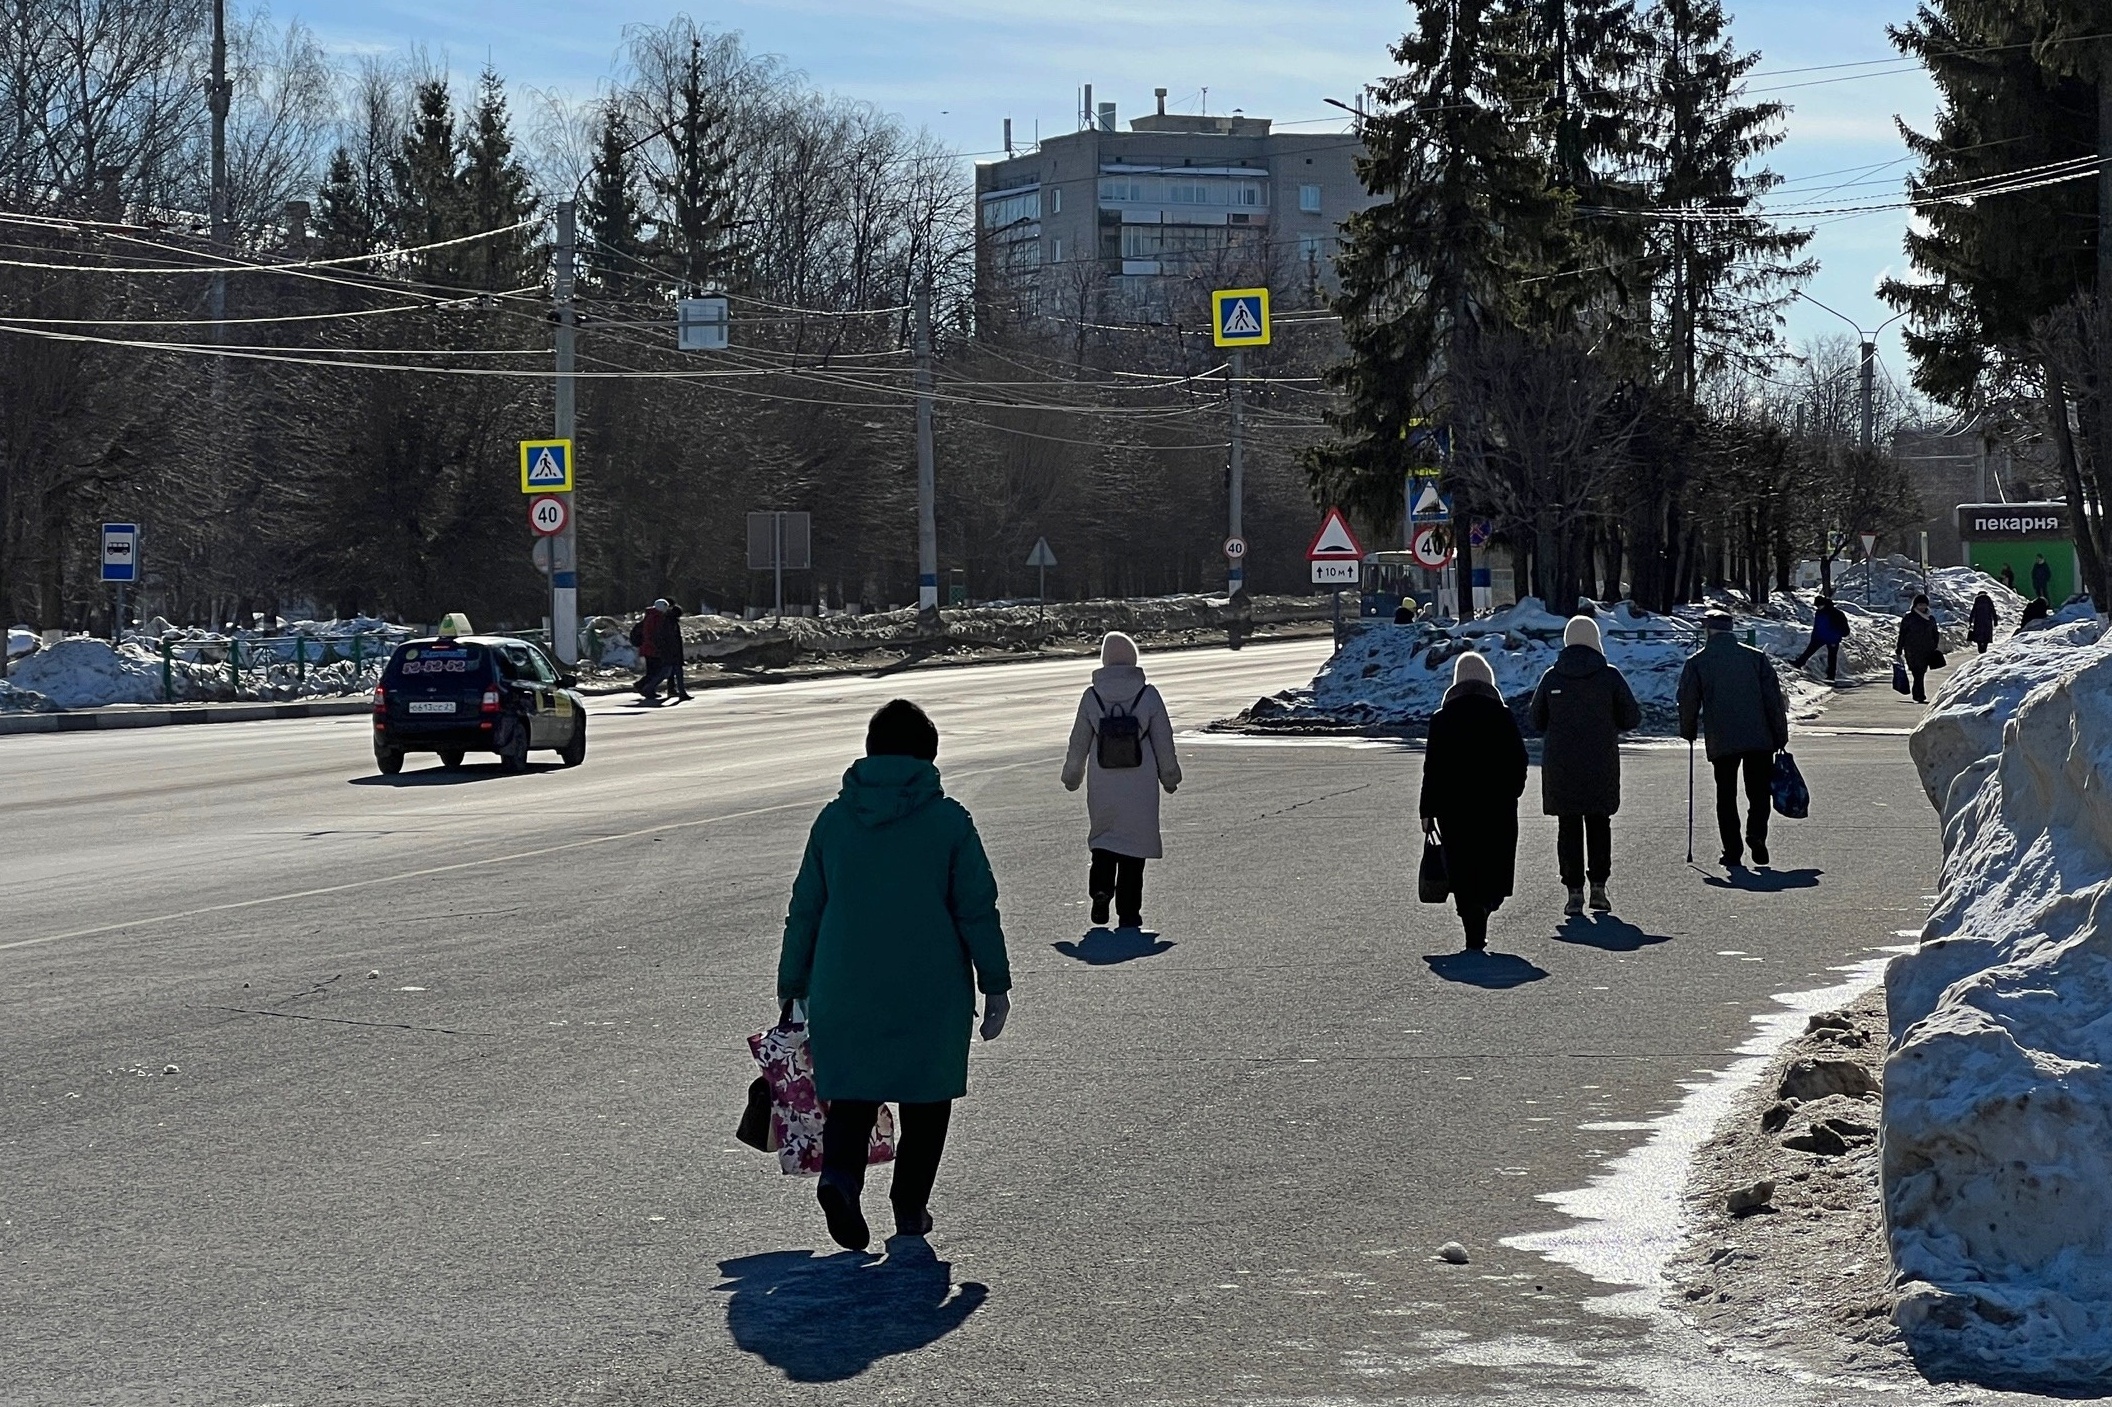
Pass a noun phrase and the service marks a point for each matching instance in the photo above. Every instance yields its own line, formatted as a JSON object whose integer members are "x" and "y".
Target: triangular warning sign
{"x": 545, "y": 469}
{"x": 1334, "y": 541}
{"x": 1242, "y": 318}
{"x": 1428, "y": 500}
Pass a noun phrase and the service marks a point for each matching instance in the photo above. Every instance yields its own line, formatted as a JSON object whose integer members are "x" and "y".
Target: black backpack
{"x": 1121, "y": 735}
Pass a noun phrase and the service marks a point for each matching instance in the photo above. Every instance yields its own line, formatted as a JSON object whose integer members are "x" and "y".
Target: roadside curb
{"x": 162, "y": 716}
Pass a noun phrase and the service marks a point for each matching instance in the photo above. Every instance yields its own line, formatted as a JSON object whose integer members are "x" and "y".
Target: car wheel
{"x": 389, "y": 760}
{"x": 451, "y": 758}
{"x": 510, "y": 741}
{"x": 575, "y": 752}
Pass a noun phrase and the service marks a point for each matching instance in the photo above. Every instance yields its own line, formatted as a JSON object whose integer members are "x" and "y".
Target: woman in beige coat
{"x": 1122, "y": 801}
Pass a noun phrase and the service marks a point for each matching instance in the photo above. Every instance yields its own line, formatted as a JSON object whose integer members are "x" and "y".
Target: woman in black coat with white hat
{"x": 1473, "y": 774}
{"x": 1581, "y": 708}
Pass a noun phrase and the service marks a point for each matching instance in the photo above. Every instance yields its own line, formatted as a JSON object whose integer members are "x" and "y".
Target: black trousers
{"x": 921, "y": 1141}
{"x": 1572, "y": 833}
{"x": 1833, "y": 657}
{"x": 1120, "y": 877}
{"x": 1758, "y": 768}
{"x": 1919, "y": 671}
{"x": 1474, "y": 919}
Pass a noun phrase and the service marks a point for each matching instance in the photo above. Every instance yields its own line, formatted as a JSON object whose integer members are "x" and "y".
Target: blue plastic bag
{"x": 1791, "y": 797}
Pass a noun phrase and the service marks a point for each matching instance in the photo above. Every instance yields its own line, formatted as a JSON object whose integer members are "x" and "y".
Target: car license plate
{"x": 444, "y": 706}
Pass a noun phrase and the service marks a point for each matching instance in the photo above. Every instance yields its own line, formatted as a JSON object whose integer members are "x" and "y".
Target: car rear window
{"x": 438, "y": 664}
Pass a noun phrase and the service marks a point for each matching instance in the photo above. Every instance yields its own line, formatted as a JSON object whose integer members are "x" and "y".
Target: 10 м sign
{"x": 1337, "y": 557}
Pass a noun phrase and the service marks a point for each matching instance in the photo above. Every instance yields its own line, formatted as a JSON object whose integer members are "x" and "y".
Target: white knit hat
{"x": 1583, "y": 630}
{"x": 1472, "y": 666}
{"x": 1117, "y": 649}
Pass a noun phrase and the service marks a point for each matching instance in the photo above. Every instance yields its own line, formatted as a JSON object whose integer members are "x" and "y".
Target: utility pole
{"x": 219, "y": 95}
{"x": 927, "y": 472}
{"x": 564, "y": 548}
{"x": 1869, "y": 393}
{"x": 1236, "y": 476}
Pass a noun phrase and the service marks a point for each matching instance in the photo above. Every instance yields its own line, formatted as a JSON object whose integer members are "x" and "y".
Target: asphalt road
{"x": 457, "y": 1060}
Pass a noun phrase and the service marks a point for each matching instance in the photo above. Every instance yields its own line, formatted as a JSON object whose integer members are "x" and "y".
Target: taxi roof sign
{"x": 1239, "y": 317}
{"x": 546, "y": 466}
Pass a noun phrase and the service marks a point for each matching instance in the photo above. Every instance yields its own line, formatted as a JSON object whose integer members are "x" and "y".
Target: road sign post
{"x": 1337, "y": 560}
{"x": 1869, "y": 564}
{"x": 120, "y": 567}
{"x": 1041, "y": 559}
{"x": 1239, "y": 318}
{"x": 548, "y": 515}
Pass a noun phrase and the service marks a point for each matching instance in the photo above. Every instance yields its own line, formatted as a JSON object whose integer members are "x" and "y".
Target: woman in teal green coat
{"x": 893, "y": 907}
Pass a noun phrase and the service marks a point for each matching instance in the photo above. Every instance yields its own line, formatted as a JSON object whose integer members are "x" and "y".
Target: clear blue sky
{"x": 961, "y": 66}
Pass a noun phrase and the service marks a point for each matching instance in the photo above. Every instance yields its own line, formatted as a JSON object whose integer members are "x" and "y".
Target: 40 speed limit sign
{"x": 548, "y": 515}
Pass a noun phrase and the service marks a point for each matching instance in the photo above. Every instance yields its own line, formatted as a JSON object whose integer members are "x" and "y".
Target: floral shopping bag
{"x": 797, "y": 1114}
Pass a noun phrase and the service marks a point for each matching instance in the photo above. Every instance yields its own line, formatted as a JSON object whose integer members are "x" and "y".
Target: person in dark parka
{"x": 892, "y": 928}
{"x": 1728, "y": 693}
{"x": 1980, "y": 626}
{"x": 2036, "y": 609}
{"x": 1582, "y": 706}
{"x": 1473, "y": 774}
{"x": 1919, "y": 644}
{"x": 668, "y": 635}
{"x": 1829, "y": 627}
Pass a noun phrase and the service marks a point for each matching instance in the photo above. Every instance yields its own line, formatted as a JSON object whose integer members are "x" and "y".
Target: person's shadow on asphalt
{"x": 822, "y": 1319}
{"x": 1765, "y": 881}
{"x": 1610, "y": 934}
{"x": 1104, "y": 947}
{"x": 1495, "y": 971}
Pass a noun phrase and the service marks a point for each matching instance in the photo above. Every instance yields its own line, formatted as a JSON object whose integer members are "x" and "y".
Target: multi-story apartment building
{"x": 1176, "y": 202}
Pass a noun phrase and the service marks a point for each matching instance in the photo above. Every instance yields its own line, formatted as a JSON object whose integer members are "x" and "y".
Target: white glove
{"x": 996, "y": 1007}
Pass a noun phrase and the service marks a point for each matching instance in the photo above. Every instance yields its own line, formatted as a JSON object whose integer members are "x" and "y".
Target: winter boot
{"x": 839, "y": 1204}
{"x": 1599, "y": 902}
{"x": 1100, "y": 903}
{"x": 1759, "y": 852}
{"x": 1575, "y": 905}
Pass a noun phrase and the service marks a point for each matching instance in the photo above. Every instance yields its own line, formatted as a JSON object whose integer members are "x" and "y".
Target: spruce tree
{"x": 345, "y": 221}
{"x": 612, "y": 216}
{"x": 495, "y": 193}
{"x": 695, "y": 188}
{"x": 428, "y": 182}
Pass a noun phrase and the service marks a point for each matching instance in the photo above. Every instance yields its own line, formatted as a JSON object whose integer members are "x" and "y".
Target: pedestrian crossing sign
{"x": 1239, "y": 317}
{"x": 546, "y": 466}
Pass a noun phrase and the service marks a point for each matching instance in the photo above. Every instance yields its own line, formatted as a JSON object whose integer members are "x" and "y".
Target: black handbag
{"x": 1937, "y": 661}
{"x": 1433, "y": 881}
{"x": 754, "y": 1129}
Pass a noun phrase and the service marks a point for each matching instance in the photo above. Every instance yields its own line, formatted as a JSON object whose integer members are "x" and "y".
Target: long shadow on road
{"x": 449, "y": 776}
{"x": 1607, "y": 933}
{"x": 822, "y": 1319}
{"x": 1103, "y": 947}
{"x": 1495, "y": 971}
{"x": 1765, "y": 881}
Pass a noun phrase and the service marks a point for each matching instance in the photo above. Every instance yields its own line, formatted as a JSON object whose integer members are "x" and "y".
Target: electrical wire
{"x": 290, "y": 268}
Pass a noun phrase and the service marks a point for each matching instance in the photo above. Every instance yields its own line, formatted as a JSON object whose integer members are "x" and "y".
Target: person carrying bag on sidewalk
{"x": 1122, "y": 751}
{"x": 1729, "y": 693}
{"x": 1474, "y": 767}
{"x": 1581, "y": 708}
{"x": 892, "y": 928}
{"x": 1920, "y": 645}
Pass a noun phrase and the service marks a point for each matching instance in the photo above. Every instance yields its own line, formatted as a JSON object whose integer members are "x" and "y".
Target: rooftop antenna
{"x": 1206, "y": 102}
{"x": 1008, "y": 136}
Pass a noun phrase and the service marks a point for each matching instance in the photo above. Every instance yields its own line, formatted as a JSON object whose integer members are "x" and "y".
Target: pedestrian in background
{"x": 2041, "y": 576}
{"x": 1980, "y": 627}
{"x": 892, "y": 928}
{"x": 2009, "y": 576}
{"x": 1474, "y": 768}
{"x": 645, "y": 638}
{"x": 1729, "y": 692}
{"x": 2036, "y": 609}
{"x": 1919, "y": 644}
{"x": 1581, "y": 707}
{"x": 1829, "y": 627}
{"x": 671, "y": 653}
{"x": 1122, "y": 750}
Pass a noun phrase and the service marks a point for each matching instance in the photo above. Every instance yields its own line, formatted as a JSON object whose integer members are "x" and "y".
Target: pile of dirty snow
{"x": 1389, "y": 676}
{"x": 20, "y": 640}
{"x": 81, "y": 672}
{"x": 1997, "y": 1144}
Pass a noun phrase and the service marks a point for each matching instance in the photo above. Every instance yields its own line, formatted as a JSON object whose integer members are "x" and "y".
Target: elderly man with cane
{"x": 1728, "y": 693}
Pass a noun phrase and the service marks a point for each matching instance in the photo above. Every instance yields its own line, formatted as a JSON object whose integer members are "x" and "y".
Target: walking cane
{"x": 1690, "y": 801}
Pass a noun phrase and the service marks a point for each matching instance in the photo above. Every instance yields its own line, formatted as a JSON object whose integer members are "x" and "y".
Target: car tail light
{"x": 381, "y": 699}
{"x": 491, "y": 701}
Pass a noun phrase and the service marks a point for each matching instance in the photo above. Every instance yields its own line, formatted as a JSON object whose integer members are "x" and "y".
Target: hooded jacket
{"x": 1122, "y": 805}
{"x": 1582, "y": 706}
{"x": 1730, "y": 693}
{"x": 1919, "y": 639}
{"x": 893, "y": 926}
{"x": 1981, "y": 625}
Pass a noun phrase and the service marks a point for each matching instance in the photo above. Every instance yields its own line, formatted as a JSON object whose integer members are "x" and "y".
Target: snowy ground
{"x": 80, "y": 672}
{"x": 1393, "y": 677}
{"x": 1997, "y": 1143}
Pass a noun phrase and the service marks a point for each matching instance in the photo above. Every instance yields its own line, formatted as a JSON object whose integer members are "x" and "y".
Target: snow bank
{"x": 20, "y": 640}
{"x": 1395, "y": 676}
{"x": 81, "y": 672}
{"x": 1997, "y": 1143}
